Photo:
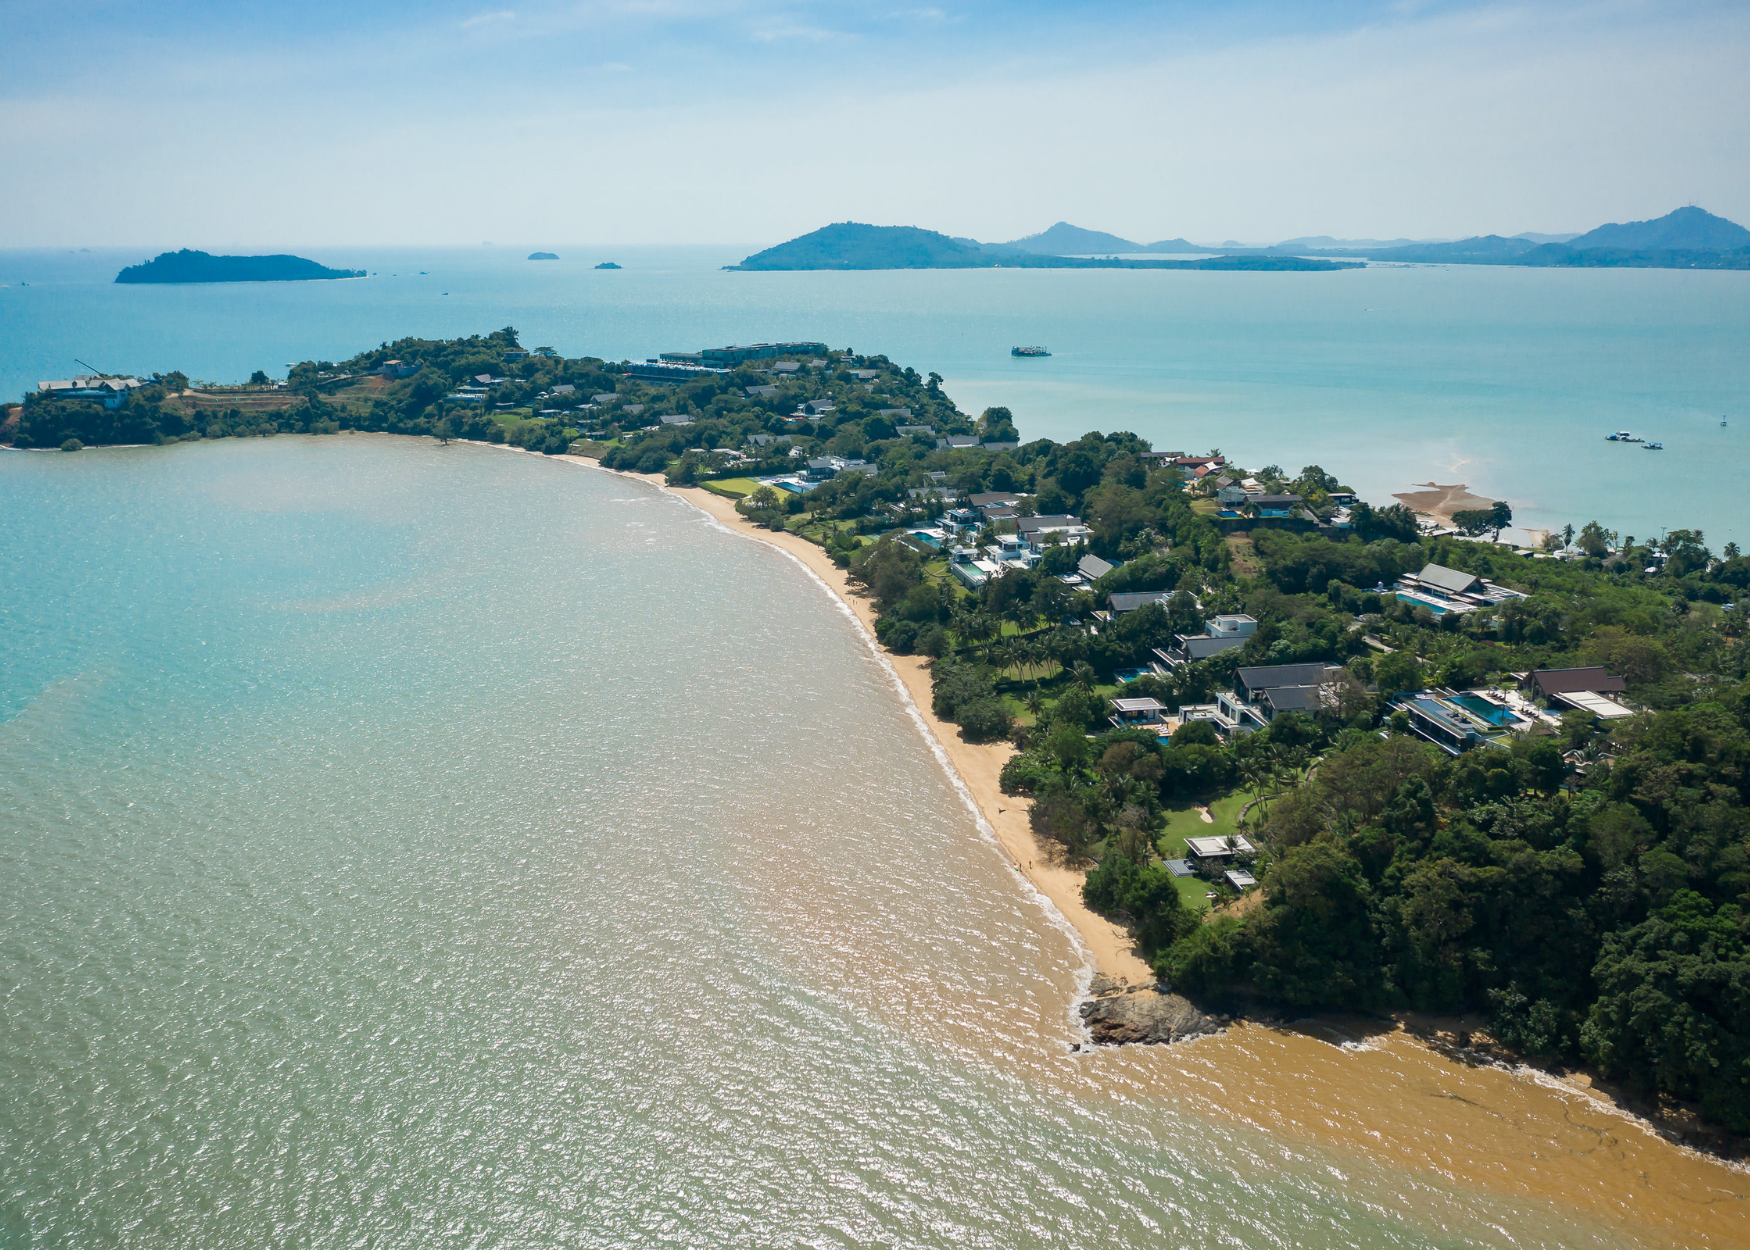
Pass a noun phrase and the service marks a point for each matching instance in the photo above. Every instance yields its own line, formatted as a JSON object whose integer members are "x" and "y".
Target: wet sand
{"x": 1440, "y": 502}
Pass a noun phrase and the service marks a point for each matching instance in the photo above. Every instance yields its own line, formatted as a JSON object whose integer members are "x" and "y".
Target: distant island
{"x": 190, "y": 266}
{"x": 853, "y": 245}
{"x": 543, "y": 256}
{"x": 1689, "y": 238}
{"x": 607, "y": 264}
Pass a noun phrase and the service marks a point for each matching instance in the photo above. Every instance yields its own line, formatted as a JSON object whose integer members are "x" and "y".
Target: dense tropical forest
{"x": 1586, "y": 888}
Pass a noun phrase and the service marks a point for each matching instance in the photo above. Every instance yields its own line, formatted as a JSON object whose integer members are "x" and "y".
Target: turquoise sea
{"x": 1505, "y": 379}
{"x": 409, "y": 845}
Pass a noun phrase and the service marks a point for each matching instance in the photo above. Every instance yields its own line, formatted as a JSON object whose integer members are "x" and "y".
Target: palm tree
{"x": 1083, "y": 675}
{"x": 1035, "y": 705}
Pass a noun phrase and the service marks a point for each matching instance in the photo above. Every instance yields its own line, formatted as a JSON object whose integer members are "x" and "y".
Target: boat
{"x": 1028, "y": 351}
{"x": 1652, "y": 446}
{"x": 1621, "y": 436}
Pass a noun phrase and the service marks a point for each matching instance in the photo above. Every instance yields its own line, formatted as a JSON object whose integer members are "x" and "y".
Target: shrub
{"x": 72, "y": 444}
{"x": 984, "y": 719}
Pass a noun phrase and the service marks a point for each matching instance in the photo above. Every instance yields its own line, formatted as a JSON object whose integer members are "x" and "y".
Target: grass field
{"x": 732, "y": 487}
{"x": 1183, "y": 822}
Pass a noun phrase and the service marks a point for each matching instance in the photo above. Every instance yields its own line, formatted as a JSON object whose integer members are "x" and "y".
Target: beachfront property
{"x": 823, "y": 467}
{"x": 1137, "y": 713}
{"x": 1261, "y": 693}
{"x": 972, "y": 568}
{"x": 1219, "y": 848}
{"x": 106, "y": 391}
{"x": 1458, "y": 720}
{"x": 1442, "y": 590}
{"x": 1220, "y": 633}
{"x": 1040, "y": 532}
{"x": 1088, "y": 570}
{"x": 1584, "y": 689}
{"x": 728, "y": 357}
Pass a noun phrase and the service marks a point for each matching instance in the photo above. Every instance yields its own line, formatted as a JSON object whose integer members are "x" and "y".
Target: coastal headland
{"x": 1247, "y": 733}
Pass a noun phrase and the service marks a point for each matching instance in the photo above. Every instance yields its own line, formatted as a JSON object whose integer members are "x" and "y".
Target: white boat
{"x": 1621, "y": 436}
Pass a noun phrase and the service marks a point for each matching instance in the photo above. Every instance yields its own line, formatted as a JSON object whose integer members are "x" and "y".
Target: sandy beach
{"x": 978, "y": 765}
{"x": 1440, "y": 502}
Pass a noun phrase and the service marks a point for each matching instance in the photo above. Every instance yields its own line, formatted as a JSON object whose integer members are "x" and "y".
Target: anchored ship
{"x": 1028, "y": 351}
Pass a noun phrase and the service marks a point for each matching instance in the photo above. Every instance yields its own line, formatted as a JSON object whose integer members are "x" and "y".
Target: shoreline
{"x": 975, "y": 766}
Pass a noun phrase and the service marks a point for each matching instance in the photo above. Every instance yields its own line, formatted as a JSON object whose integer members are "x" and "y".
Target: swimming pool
{"x": 1420, "y": 602}
{"x": 1490, "y": 711}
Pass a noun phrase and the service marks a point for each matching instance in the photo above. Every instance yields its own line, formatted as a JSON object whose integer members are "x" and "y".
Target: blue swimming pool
{"x": 1492, "y": 712}
{"x": 1420, "y": 602}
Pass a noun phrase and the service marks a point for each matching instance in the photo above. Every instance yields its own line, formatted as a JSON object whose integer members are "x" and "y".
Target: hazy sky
{"x": 214, "y": 123}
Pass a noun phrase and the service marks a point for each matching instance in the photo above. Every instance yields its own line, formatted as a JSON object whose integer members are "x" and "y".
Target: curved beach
{"x": 978, "y": 765}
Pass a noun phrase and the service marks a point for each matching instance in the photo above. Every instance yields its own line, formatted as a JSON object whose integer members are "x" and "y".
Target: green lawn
{"x": 1184, "y": 822}
{"x": 732, "y": 487}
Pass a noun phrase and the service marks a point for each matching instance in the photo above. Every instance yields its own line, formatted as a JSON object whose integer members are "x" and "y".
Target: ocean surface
{"x": 1506, "y": 379}
{"x": 409, "y": 845}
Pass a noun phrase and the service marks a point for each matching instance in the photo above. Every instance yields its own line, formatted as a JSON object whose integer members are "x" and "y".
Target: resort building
{"x": 1035, "y": 531}
{"x": 1218, "y": 848}
{"x": 1133, "y": 713}
{"x": 1222, "y": 633}
{"x": 1442, "y": 590}
{"x": 729, "y": 357}
{"x": 106, "y": 391}
{"x": 1455, "y": 721}
{"x": 1260, "y": 694}
{"x": 1587, "y": 689}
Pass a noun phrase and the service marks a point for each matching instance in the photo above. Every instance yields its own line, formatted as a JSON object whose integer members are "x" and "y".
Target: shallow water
{"x": 410, "y": 844}
{"x": 1506, "y": 379}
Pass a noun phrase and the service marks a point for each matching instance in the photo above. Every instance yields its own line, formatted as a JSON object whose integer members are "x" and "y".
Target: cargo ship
{"x": 1028, "y": 351}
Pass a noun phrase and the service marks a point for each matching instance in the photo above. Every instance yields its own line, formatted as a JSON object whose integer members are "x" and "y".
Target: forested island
{"x": 189, "y": 266}
{"x": 1584, "y": 884}
{"x": 1689, "y": 238}
{"x": 852, "y": 245}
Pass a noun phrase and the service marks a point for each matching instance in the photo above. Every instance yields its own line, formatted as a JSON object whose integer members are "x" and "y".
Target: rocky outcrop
{"x": 1121, "y": 1012}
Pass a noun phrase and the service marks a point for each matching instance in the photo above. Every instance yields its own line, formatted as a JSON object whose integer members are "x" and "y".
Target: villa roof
{"x": 1278, "y": 676}
{"x": 1131, "y": 600}
{"x": 1550, "y": 681}
{"x": 1092, "y": 567}
{"x": 1452, "y": 581}
{"x": 1139, "y": 705}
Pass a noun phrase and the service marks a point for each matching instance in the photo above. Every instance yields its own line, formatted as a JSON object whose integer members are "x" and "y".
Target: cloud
{"x": 795, "y": 33}
{"x": 490, "y": 19}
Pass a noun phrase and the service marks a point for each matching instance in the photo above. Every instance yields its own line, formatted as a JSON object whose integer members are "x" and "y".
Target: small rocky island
{"x": 543, "y": 256}
{"x": 191, "y": 266}
{"x": 1120, "y": 1012}
{"x": 607, "y": 264}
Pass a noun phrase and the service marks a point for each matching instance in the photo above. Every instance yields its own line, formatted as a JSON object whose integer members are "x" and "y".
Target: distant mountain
{"x": 1567, "y": 256}
{"x": 1324, "y": 242}
{"x": 852, "y": 245}
{"x": 187, "y": 266}
{"x": 1487, "y": 249}
{"x": 1531, "y": 236}
{"x": 543, "y": 256}
{"x": 1687, "y": 229}
{"x": 1064, "y": 239}
{"x": 1179, "y": 245}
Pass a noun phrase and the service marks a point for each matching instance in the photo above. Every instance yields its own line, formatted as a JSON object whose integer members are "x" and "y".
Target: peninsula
{"x": 1285, "y": 750}
{"x": 853, "y": 245}
{"x": 188, "y": 266}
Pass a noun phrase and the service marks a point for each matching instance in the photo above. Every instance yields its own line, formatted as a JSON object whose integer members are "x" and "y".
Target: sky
{"x": 239, "y": 123}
